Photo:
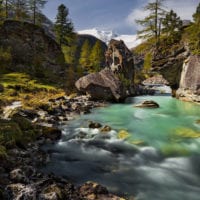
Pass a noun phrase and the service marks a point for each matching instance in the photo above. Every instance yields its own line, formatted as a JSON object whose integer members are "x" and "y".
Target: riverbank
{"x": 22, "y": 155}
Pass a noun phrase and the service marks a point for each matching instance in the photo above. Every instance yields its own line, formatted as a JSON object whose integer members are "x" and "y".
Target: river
{"x": 151, "y": 154}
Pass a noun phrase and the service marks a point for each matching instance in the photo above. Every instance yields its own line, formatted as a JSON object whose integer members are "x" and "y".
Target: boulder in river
{"x": 114, "y": 82}
{"x": 94, "y": 125}
{"x": 103, "y": 85}
{"x": 147, "y": 104}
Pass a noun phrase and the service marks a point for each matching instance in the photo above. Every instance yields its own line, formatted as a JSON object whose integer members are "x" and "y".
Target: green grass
{"x": 31, "y": 92}
{"x": 24, "y": 82}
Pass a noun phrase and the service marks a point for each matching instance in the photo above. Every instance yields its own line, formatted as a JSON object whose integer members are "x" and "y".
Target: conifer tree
{"x": 63, "y": 25}
{"x": 172, "y": 25}
{"x": 20, "y": 8}
{"x": 152, "y": 23}
{"x": 97, "y": 56}
{"x": 70, "y": 51}
{"x": 35, "y": 6}
{"x": 84, "y": 60}
{"x": 194, "y": 32}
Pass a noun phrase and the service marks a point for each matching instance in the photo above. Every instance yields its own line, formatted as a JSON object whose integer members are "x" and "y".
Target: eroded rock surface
{"x": 189, "y": 88}
{"x": 114, "y": 82}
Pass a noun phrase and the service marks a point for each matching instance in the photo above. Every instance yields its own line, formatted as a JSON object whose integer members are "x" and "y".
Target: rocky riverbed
{"x": 20, "y": 177}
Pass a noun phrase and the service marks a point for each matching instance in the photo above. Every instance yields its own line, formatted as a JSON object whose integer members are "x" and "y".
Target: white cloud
{"x": 135, "y": 15}
{"x": 184, "y": 8}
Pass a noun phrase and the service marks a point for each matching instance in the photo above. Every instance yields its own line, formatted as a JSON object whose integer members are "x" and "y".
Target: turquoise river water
{"x": 151, "y": 154}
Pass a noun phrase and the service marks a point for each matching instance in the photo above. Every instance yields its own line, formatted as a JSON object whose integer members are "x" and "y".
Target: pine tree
{"x": 5, "y": 6}
{"x": 97, "y": 56}
{"x": 152, "y": 23}
{"x": 172, "y": 25}
{"x": 194, "y": 32}
{"x": 84, "y": 60}
{"x": 35, "y": 6}
{"x": 63, "y": 25}
{"x": 20, "y": 8}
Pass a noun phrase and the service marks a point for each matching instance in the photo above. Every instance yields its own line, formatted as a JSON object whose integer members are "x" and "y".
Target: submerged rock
{"x": 197, "y": 121}
{"x": 147, "y": 104}
{"x": 123, "y": 134}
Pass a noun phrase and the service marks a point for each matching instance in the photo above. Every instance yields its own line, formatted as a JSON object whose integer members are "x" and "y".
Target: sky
{"x": 116, "y": 15}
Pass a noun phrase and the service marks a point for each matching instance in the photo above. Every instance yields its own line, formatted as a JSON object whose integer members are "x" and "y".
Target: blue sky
{"x": 117, "y": 15}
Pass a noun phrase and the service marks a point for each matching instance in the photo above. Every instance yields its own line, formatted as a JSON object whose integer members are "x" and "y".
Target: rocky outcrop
{"x": 112, "y": 83}
{"x": 182, "y": 70}
{"x": 189, "y": 87}
{"x": 32, "y": 50}
{"x": 170, "y": 64}
{"x": 120, "y": 59}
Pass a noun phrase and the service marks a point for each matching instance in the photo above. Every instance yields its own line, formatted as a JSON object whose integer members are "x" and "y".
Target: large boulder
{"x": 114, "y": 82}
{"x": 103, "y": 85}
{"x": 189, "y": 87}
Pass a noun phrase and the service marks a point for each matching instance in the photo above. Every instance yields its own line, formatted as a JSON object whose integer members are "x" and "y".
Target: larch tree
{"x": 63, "y": 25}
{"x": 84, "y": 60}
{"x": 97, "y": 56}
{"x": 152, "y": 22}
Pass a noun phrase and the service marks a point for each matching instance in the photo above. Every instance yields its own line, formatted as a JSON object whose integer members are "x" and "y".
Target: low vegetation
{"x": 31, "y": 92}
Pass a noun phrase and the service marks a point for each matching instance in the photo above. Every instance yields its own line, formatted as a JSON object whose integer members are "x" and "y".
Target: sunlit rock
{"x": 147, "y": 104}
{"x": 106, "y": 128}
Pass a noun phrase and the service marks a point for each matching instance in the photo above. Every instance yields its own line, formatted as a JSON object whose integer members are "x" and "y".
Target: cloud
{"x": 136, "y": 14}
{"x": 184, "y": 8}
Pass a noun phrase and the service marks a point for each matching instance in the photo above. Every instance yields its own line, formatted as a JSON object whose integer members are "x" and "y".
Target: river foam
{"x": 162, "y": 168}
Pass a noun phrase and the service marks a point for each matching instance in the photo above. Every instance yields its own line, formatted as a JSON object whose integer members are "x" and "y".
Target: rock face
{"x": 32, "y": 50}
{"x": 189, "y": 88}
{"x": 120, "y": 59}
{"x": 113, "y": 82}
{"x": 182, "y": 70}
{"x": 170, "y": 65}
